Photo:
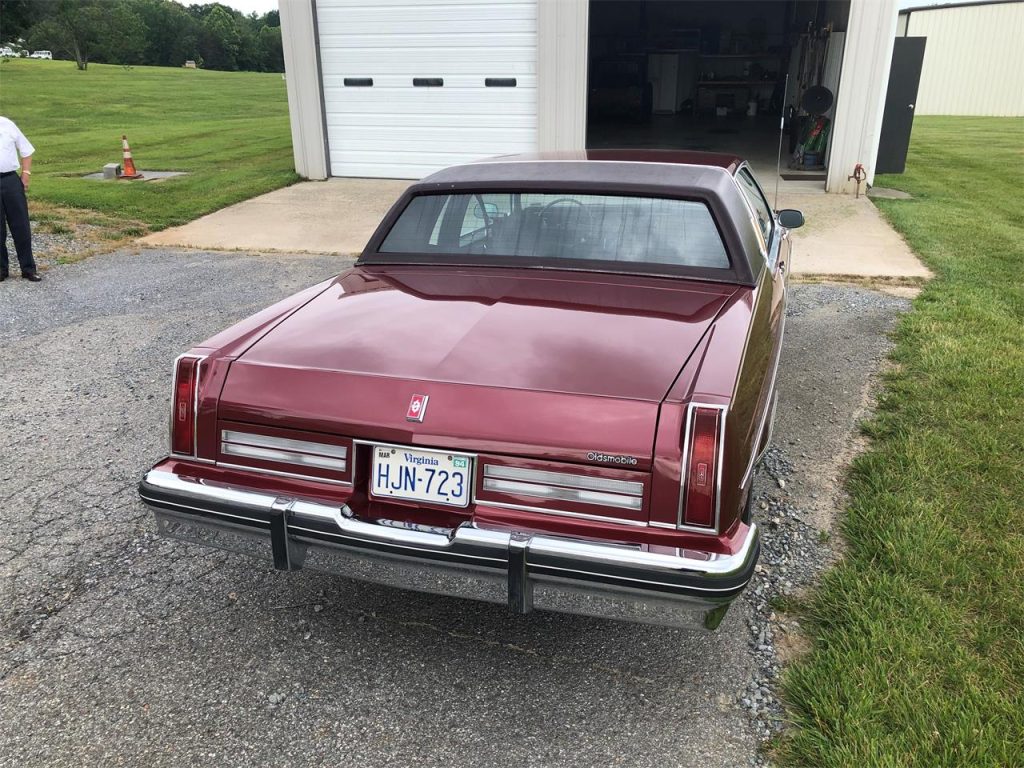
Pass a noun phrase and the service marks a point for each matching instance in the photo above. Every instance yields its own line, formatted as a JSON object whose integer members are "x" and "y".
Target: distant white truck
{"x": 6, "y": 52}
{"x": 41, "y": 55}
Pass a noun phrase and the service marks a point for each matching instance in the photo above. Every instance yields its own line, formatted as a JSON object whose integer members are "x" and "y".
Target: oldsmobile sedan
{"x": 546, "y": 382}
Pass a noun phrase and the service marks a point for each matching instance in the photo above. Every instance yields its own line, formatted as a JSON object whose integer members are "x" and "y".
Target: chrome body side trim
{"x": 771, "y": 430}
{"x": 525, "y": 570}
{"x": 669, "y": 526}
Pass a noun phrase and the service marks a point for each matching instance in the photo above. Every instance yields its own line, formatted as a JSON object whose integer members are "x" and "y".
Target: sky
{"x": 245, "y": 6}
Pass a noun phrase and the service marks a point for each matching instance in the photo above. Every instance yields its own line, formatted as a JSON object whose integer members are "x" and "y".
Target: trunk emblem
{"x": 417, "y": 408}
{"x": 595, "y": 456}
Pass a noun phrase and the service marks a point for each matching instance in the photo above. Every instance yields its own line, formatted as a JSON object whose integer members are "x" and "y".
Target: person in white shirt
{"x": 15, "y": 155}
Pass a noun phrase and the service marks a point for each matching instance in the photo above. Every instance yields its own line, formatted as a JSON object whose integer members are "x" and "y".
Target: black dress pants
{"x": 14, "y": 213}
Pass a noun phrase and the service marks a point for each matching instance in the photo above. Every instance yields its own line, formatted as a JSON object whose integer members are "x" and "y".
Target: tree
{"x": 88, "y": 28}
{"x": 16, "y": 18}
{"x": 125, "y": 41}
{"x": 160, "y": 32}
{"x": 248, "y": 51}
{"x": 271, "y": 51}
{"x": 171, "y": 34}
{"x": 220, "y": 41}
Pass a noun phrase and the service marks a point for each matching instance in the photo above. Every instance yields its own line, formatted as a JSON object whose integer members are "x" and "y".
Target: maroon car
{"x": 546, "y": 382}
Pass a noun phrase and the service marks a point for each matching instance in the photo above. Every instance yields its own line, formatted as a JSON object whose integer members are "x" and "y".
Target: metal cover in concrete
{"x": 889, "y": 194}
{"x": 146, "y": 176}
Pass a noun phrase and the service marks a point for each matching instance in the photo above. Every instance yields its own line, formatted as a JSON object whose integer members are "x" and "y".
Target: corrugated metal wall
{"x": 562, "y": 40}
{"x": 973, "y": 60}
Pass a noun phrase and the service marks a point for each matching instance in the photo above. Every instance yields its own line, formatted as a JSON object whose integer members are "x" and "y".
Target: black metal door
{"x": 898, "y": 118}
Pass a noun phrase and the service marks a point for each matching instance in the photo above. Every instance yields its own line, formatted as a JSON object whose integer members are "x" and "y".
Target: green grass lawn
{"x": 229, "y": 130}
{"x": 918, "y": 654}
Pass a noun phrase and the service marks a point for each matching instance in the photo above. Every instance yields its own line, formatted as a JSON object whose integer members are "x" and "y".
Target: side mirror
{"x": 790, "y": 218}
{"x": 487, "y": 211}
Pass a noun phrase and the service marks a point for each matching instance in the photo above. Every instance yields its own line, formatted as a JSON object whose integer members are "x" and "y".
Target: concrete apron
{"x": 335, "y": 217}
{"x": 843, "y": 236}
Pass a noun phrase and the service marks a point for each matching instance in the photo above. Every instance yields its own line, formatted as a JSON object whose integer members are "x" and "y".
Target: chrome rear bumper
{"x": 523, "y": 570}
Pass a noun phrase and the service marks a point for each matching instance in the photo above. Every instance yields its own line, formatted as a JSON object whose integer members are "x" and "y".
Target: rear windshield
{"x": 549, "y": 226}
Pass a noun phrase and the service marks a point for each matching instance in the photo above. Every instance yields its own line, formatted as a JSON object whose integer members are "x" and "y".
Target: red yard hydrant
{"x": 859, "y": 174}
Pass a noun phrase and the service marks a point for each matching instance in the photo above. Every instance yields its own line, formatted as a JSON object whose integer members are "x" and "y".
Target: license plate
{"x": 436, "y": 477}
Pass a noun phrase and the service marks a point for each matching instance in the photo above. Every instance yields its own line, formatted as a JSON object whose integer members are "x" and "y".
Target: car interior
{"x": 561, "y": 226}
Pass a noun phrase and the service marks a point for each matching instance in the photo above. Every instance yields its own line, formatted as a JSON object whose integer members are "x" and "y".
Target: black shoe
{"x": 32, "y": 277}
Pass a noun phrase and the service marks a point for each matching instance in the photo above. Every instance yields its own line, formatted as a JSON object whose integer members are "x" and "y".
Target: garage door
{"x": 411, "y": 87}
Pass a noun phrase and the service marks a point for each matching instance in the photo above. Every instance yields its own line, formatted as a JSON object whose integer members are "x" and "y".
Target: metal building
{"x": 399, "y": 88}
{"x": 973, "y": 58}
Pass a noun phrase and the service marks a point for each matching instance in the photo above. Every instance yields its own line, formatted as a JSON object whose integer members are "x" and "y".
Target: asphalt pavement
{"x": 117, "y": 648}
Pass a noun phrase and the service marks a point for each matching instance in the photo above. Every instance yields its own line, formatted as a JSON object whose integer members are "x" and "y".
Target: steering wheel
{"x": 559, "y": 201}
{"x": 563, "y": 225}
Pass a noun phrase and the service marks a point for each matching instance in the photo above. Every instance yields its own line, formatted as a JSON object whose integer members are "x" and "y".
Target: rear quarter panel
{"x": 751, "y": 398}
{"x": 220, "y": 350}
{"x": 733, "y": 367}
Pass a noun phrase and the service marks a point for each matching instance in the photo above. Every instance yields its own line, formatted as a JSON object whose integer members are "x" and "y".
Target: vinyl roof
{"x": 651, "y": 171}
{"x": 672, "y": 156}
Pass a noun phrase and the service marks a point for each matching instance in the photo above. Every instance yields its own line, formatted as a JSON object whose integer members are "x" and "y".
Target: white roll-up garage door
{"x": 410, "y": 87}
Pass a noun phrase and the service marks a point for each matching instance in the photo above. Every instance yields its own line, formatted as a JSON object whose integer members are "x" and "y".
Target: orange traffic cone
{"x": 129, "y": 171}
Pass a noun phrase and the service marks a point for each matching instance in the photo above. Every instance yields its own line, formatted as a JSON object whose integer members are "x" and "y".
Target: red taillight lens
{"x": 702, "y": 471}
{"x": 183, "y": 407}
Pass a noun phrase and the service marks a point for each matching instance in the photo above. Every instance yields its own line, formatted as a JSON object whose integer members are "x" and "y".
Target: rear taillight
{"x": 183, "y": 406}
{"x": 702, "y": 467}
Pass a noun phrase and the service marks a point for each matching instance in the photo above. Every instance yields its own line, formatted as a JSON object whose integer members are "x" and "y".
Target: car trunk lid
{"x": 548, "y": 365}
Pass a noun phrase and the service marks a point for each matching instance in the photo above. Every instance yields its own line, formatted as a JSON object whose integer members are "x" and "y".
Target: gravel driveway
{"x": 120, "y": 649}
